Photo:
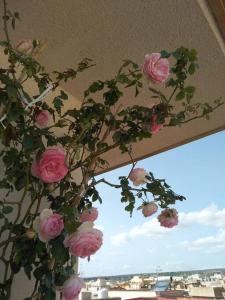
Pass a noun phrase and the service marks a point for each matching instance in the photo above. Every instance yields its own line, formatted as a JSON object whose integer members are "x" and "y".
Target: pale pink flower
{"x": 48, "y": 225}
{"x": 72, "y": 287}
{"x": 51, "y": 167}
{"x": 89, "y": 214}
{"x": 168, "y": 217}
{"x": 42, "y": 118}
{"x": 85, "y": 241}
{"x": 156, "y": 69}
{"x": 138, "y": 176}
{"x": 25, "y": 46}
{"x": 155, "y": 127}
{"x": 149, "y": 209}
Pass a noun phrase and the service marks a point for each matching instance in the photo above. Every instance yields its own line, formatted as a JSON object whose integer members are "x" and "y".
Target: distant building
{"x": 136, "y": 283}
{"x": 211, "y": 292}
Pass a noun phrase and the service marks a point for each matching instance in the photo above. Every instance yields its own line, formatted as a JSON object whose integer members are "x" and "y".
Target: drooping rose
{"x": 156, "y": 69}
{"x": 85, "y": 241}
{"x": 138, "y": 176}
{"x": 89, "y": 215}
{"x": 155, "y": 127}
{"x": 149, "y": 209}
{"x": 25, "y": 46}
{"x": 51, "y": 167}
{"x": 72, "y": 287}
{"x": 42, "y": 118}
{"x": 48, "y": 225}
{"x": 168, "y": 218}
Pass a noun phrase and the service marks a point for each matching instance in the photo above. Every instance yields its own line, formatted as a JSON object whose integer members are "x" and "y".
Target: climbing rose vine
{"x": 46, "y": 215}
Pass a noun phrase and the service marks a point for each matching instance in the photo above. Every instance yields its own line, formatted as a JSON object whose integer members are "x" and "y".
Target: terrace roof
{"x": 110, "y": 31}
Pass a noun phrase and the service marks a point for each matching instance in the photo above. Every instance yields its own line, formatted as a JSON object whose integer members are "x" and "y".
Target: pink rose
{"x": 89, "y": 214}
{"x": 155, "y": 127}
{"x": 85, "y": 241}
{"x": 25, "y": 46}
{"x": 51, "y": 167}
{"x": 72, "y": 287}
{"x": 157, "y": 69}
{"x": 168, "y": 218}
{"x": 48, "y": 225}
{"x": 42, "y": 118}
{"x": 138, "y": 176}
{"x": 149, "y": 209}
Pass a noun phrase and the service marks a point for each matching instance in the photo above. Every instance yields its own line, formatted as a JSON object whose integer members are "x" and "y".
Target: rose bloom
{"x": 42, "y": 118}
{"x": 155, "y": 127}
{"x": 168, "y": 218}
{"x": 149, "y": 209}
{"x": 89, "y": 214}
{"x": 85, "y": 241}
{"x": 155, "y": 68}
{"x": 51, "y": 167}
{"x": 48, "y": 225}
{"x": 138, "y": 176}
{"x": 72, "y": 287}
{"x": 25, "y": 46}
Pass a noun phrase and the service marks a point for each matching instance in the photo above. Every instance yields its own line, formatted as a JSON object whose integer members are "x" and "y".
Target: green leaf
{"x": 12, "y": 91}
{"x": 58, "y": 104}
{"x": 191, "y": 69}
{"x": 122, "y": 78}
{"x": 49, "y": 295}
{"x": 59, "y": 252}
{"x": 96, "y": 86}
{"x": 28, "y": 142}
{"x": 70, "y": 227}
{"x": 190, "y": 89}
{"x": 63, "y": 95}
{"x": 7, "y": 209}
{"x": 180, "y": 95}
{"x": 164, "y": 54}
{"x": 20, "y": 182}
{"x": 193, "y": 55}
{"x": 39, "y": 272}
{"x": 15, "y": 112}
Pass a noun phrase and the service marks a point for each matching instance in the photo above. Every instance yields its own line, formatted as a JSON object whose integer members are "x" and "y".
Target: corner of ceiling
{"x": 213, "y": 23}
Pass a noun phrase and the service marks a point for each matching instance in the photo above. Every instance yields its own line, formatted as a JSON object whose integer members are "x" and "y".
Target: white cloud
{"x": 208, "y": 244}
{"x": 119, "y": 238}
{"x": 150, "y": 228}
{"x": 210, "y": 216}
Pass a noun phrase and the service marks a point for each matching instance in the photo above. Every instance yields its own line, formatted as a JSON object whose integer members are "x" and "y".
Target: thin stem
{"x": 171, "y": 96}
{"x": 24, "y": 192}
{"x": 5, "y": 28}
{"x": 118, "y": 186}
{"x": 133, "y": 162}
{"x": 35, "y": 288}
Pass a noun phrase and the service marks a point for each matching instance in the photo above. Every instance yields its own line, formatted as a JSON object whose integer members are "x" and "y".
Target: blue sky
{"x": 139, "y": 245}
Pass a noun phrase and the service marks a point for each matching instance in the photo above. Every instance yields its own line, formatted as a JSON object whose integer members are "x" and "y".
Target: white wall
{"x": 131, "y": 294}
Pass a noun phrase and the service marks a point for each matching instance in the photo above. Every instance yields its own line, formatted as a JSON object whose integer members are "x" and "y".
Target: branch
{"x": 118, "y": 186}
{"x": 5, "y": 28}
